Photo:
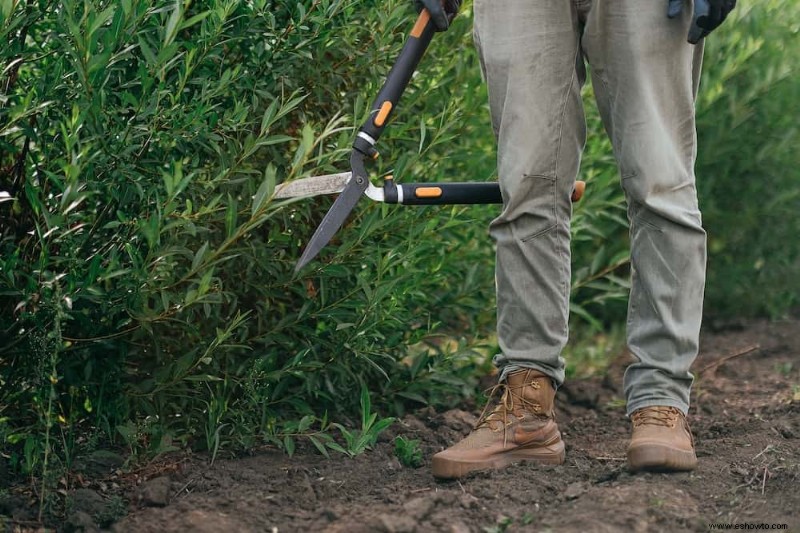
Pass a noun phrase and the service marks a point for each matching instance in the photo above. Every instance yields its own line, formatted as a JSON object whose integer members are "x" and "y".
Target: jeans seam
{"x": 603, "y": 80}
{"x": 564, "y": 112}
{"x": 564, "y": 261}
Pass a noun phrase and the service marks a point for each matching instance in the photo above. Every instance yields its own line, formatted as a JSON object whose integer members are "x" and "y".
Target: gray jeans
{"x": 645, "y": 77}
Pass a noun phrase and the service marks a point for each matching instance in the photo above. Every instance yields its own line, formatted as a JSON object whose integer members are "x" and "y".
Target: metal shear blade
{"x": 323, "y": 185}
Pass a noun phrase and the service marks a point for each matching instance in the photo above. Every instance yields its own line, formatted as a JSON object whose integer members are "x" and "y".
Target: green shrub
{"x": 147, "y": 288}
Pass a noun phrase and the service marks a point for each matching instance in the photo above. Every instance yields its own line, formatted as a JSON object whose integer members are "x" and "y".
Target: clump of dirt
{"x": 745, "y": 416}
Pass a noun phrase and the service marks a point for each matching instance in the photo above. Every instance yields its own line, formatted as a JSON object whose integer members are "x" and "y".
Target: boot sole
{"x": 445, "y": 468}
{"x": 653, "y": 458}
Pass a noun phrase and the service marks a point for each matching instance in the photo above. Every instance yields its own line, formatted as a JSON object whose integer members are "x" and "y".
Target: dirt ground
{"x": 745, "y": 416}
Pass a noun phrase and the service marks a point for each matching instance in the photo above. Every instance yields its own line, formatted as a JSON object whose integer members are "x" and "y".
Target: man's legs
{"x": 533, "y": 66}
{"x": 646, "y": 76}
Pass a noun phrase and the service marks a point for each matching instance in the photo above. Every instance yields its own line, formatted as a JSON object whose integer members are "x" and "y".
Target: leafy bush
{"x": 148, "y": 294}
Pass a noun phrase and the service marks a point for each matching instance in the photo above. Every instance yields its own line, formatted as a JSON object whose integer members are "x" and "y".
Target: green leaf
{"x": 102, "y": 18}
{"x": 191, "y": 21}
{"x": 365, "y": 407}
{"x": 264, "y": 190}
{"x": 275, "y": 139}
{"x": 205, "y": 281}
{"x": 171, "y": 29}
{"x": 581, "y": 312}
{"x": 149, "y": 56}
{"x": 308, "y": 136}
{"x": 597, "y": 262}
{"x": 288, "y": 445}
{"x": 319, "y": 446}
{"x": 231, "y": 214}
{"x": 202, "y": 378}
{"x": 305, "y": 423}
{"x": 199, "y": 255}
{"x": 337, "y": 448}
{"x": 382, "y": 425}
{"x": 413, "y": 396}
{"x": 268, "y": 117}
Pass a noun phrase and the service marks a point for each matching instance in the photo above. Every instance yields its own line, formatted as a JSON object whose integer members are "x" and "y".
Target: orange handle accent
{"x": 577, "y": 192}
{"x": 419, "y": 25}
{"x": 383, "y": 113}
{"x": 428, "y": 192}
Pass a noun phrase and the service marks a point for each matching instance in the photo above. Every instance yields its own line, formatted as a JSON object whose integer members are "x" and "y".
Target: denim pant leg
{"x": 532, "y": 63}
{"x": 646, "y": 77}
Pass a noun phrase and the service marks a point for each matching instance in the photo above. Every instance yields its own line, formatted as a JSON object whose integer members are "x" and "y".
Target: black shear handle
{"x": 450, "y": 193}
{"x": 396, "y": 82}
{"x": 442, "y": 193}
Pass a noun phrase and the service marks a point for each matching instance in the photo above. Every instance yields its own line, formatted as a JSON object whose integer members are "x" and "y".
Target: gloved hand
{"x": 442, "y": 11}
{"x": 708, "y": 14}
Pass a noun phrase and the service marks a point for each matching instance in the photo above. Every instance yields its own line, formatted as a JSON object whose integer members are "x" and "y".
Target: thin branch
{"x": 727, "y": 358}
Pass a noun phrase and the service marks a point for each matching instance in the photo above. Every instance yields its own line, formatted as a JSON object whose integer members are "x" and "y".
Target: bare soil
{"x": 745, "y": 417}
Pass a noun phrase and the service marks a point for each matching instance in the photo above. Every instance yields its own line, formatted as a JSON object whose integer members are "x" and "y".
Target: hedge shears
{"x": 352, "y": 185}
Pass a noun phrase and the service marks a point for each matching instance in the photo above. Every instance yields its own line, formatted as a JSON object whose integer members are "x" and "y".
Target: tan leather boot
{"x": 521, "y": 427}
{"x": 661, "y": 441}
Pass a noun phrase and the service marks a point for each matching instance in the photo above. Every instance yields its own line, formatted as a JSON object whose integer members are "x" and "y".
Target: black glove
{"x": 442, "y": 11}
{"x": 708, "y": 14}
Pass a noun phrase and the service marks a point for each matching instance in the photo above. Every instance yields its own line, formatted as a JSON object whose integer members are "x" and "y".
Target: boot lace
{"x": 508, "y": 396}
{"x": 656, "y": 416}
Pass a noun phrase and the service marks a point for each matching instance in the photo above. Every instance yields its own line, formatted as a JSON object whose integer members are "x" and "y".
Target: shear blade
{"x": 322, "y": 185}
{"x": 318, "y": 185}
{"x": 334, "y": 219}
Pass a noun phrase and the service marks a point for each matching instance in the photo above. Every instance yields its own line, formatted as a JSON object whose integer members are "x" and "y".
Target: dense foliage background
{"x": 146, "y": 290}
